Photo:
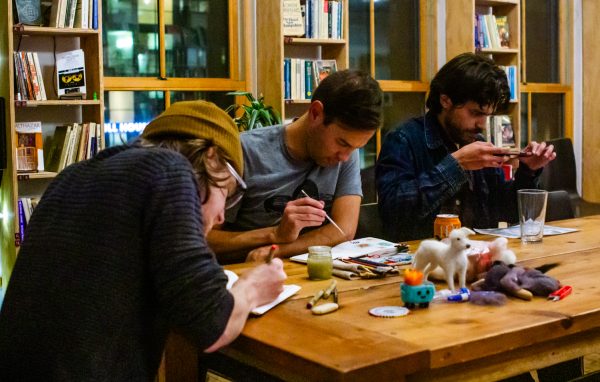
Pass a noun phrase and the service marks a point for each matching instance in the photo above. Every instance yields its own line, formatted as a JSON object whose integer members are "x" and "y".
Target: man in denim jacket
{"x": 440, "y": 163}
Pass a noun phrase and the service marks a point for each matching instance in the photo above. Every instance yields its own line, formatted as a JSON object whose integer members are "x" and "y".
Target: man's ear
{"x": 316, "y": 113}
{"x": 445, "y": 101}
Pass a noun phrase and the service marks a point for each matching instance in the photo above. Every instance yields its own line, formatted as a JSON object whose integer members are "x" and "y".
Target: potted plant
{"x": 256, "y": 115}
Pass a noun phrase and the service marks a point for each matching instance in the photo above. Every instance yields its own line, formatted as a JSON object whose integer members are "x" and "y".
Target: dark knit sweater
{"x": 114, "y": 256}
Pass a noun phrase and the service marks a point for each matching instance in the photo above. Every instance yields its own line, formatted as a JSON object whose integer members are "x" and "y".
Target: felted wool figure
{"x": 517, "y": 281}
{"x": 491, "y": 251}
{"x": 499, "y": 251}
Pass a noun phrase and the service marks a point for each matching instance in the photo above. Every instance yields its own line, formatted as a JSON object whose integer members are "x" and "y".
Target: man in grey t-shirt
{"x": 316, "y": 154}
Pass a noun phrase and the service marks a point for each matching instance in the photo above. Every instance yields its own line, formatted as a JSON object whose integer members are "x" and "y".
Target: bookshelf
{"x": 51, "y": 112}
{"x": 273, "y": 47}
{"x": 460, "y": 37}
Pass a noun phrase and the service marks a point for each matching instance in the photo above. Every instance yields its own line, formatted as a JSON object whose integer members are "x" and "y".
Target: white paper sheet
{"x": 514, "y": 232}
{"x": 288, "y": 291}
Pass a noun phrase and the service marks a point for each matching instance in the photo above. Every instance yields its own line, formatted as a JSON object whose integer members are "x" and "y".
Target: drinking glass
{"x": 532, "y": 214}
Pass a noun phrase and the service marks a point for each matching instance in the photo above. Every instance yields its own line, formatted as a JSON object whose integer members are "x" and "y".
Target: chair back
{"x": 369, "y": 222}
{"x": 559, "y": 206}
{"x": 561, "y": 174}
{"x": 367, "y": 178}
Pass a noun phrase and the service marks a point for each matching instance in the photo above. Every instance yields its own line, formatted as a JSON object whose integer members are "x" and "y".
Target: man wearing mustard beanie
{"x": 121, "y": 238}
{"x": 297, "y": 173}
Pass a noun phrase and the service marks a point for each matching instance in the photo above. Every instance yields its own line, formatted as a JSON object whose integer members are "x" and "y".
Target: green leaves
{"x": 255, "y": 115}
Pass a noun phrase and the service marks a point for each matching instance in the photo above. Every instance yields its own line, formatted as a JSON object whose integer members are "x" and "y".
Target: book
{"x": 288, "y": 291}
{"x": 367, "y": 246}
{"x": 22, "y": 223}
{"x": 293, "y": 24}
{"x": 323, "y": 68}
{"x": 38, "y": 68}
{"x": 54, "y": 148}
{"x": 508, "y": 134}
{"x": 502, "y": 24}
{"x": 94, "y": 12}
{"x": 29, "y": 12}
{"x": 70, "y": 72}
{"x": 29, "y": 146}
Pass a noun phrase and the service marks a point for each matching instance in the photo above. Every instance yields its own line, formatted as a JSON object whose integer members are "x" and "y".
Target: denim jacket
{"x": 417, "y": 179}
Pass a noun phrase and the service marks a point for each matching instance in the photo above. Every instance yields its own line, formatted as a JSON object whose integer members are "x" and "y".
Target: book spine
{"x": 34, "y": 77}
{"x": 38, "y": 67}
{"x": 22, "y": 223}
{"x": 329, "y": 19}
{"x": 308, "y": 79}
{"x": 286, "y": 78}
{"x": 95, "y": 14}
{"x": 27, "y": 76}
{"x": 54, "y": 13}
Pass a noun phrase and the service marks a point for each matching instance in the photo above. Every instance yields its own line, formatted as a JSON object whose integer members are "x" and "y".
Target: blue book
{"x": 95, "y": 14}
{"x": 22, "y": 223}
{"x": 287, "y": 78}
{"x": 309, "y": 15}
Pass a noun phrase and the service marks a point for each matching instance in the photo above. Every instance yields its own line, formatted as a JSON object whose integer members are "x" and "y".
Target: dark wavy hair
{"x": 352, "y": 98}
{"x": 469, "y": 77}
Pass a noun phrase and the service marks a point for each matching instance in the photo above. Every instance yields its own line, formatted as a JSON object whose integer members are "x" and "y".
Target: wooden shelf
{"x": 273, "y": 48}
{"x": 57, "y": 102}
{"x": 313, "y": 41}
{"x": 28, "y": 30}
{"x": 36, "y": 175}
{"x": 53, "y": 112}
{"x": 495, "y": 3}
{"x": 498, "y": 51}
{"x": 294, "y": 101}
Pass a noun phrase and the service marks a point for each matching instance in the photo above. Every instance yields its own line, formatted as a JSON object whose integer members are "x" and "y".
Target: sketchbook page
{"x": 356, "y": 248}
{"x": 288, "y": 291}
{"x": 514, "y": 232}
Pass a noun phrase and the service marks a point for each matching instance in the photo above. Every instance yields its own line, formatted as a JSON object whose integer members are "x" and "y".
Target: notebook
{"x": 288, "y": 291}
{"x": 355, "y": 248}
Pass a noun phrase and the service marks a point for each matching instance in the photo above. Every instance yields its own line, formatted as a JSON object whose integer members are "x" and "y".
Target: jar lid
{"x": 389, "y": 311}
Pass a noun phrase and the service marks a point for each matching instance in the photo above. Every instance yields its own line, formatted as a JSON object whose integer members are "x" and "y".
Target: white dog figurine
{"x": 452, "y": 258}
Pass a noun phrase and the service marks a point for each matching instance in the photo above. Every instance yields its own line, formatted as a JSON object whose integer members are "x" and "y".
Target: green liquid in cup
{"x": 319, "y": 263}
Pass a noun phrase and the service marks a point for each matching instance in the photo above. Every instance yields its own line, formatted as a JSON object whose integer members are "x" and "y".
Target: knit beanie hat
{"x": 199, "y": 119}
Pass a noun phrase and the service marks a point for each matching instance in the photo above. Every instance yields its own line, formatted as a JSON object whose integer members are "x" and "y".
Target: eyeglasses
{"x": 237, "y": 195}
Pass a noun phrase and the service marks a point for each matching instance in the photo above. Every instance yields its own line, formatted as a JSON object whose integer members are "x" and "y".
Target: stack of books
{"x": 28, "y": 77}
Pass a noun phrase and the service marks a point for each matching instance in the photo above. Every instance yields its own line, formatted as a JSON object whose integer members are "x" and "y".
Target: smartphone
{"x": 514, "y": 153}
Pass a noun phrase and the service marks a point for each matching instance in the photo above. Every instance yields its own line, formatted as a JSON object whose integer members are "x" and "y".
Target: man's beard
{"x": 458, "y": 135}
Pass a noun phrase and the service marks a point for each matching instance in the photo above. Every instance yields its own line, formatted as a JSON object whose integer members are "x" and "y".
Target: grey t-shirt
{"x": 275, "y": 178}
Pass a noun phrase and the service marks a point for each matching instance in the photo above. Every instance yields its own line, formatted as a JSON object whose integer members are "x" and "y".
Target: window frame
{"x": 238, "y": 70}
{"x": 428, "y": 55}
{"x": 565, "y": 57}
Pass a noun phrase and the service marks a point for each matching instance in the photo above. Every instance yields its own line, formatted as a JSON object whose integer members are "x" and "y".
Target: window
{"x": 546, "y": 93}
{"x": 161, "y": 51}
{"x": 390, "y": 39}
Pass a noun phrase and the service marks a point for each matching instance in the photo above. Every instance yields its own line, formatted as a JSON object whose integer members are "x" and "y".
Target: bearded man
{"x": 440, "y": 162}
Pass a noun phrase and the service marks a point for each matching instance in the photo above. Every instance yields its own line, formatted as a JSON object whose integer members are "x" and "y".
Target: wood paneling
{"x": 591, "y": 94}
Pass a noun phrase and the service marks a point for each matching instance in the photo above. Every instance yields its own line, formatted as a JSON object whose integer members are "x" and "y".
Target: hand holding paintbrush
{"x": 327, "y": 216}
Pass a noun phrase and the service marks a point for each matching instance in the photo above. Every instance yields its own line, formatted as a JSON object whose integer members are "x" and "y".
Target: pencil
{"x": 327, "y": 216}
{"x": 274, "y": 247}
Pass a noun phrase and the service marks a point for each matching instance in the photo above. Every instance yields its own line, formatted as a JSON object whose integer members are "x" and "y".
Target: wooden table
{"x": 447, "y": 341}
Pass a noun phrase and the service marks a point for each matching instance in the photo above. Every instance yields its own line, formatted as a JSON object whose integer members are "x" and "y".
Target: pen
{"x": 329, "y": 289}
{"x": 315, "y": 299}
{"x": 327, "y": 216}
{"x": 274, "y": 247}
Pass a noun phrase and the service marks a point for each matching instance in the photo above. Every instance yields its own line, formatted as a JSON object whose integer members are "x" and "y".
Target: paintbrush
{"x": 327, "y": 216}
